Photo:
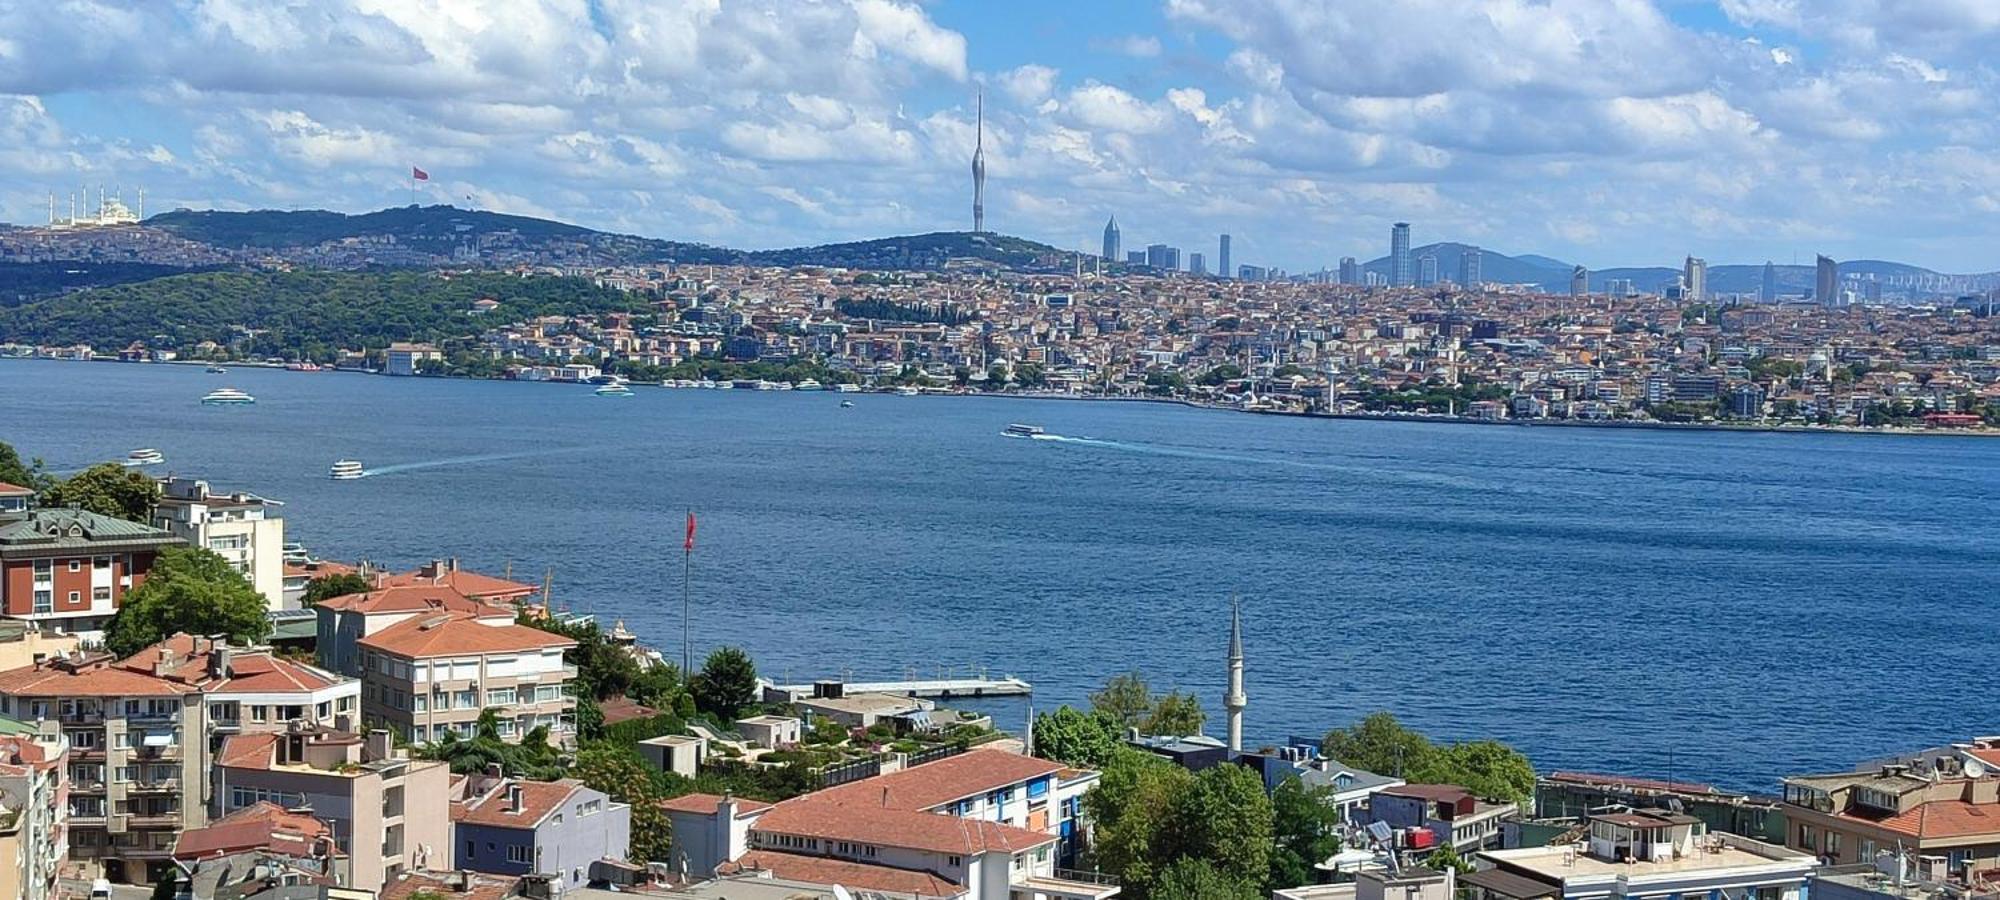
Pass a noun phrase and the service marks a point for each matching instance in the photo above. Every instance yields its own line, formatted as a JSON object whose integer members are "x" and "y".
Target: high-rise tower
{"x": 1235, "y": 701}
{"x": 1826, "y": 283}
{"x": 1222, "y": 260}
{"x": 1468, "y": 268}
{"x": 1111, "y": 241}
{"x": 1768, "y": 292}
{"x": 1694, "y": 279}
{"x": 1400, "y": 273}
{"x": 979, "y": 166}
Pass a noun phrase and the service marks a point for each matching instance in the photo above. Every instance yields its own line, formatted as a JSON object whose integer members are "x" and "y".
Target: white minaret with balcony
{"x": 1235, "y": 700}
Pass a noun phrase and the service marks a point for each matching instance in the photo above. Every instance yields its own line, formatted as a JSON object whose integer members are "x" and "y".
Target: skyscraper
{"x": 1135, "y": 257}
{"x": 979, "y": 167}
{"x": 1694, "y": 280}
{"x": 1222, "y": 259}
{"x": 1579, "y": 281}
{"x": 1427, "y": 270}
{"x": 1350, "y": 271}
{"x": 1468, "y": 268}
{"x": 1163, "y": 257}
{"x": 1826, "y": 288}
{"x": 1111, "y": 240}
{"x": 1197, "y": 265}
{"x": 1400, "y": 274}
{"x": 1769, "y": 291}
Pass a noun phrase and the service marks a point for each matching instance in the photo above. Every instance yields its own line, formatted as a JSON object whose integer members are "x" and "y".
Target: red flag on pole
{"x": 419, "y": 174}
{"x": 689, "y": 544}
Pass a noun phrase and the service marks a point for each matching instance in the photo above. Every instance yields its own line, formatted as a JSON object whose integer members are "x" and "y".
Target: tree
{"x": 1379, "y": 744}
{"x": 1075, "y": 738}
{"x": 626, "y": 778}
{"x": 1305, "y": 829}
{"x": 1198, "y": 879}
{"x": 107, "y": 489}
{"x": 1225, "y": 820}
{"x": 727, "y": 683}
{"x": 1176, "y": 714}
{"x": 191, "y": 590}
{"x": 15, "y": 472}
{"x": 327, "y": 587}
{"x": 1125, "y": 699}
{"x": 168, "y": 887}
{"x": 1493, "y": 769}
{"x": 1445, "y": 857}
{"x": 1131, "y": 808}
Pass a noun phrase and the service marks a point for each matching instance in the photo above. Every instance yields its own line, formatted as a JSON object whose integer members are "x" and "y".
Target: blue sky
{"x": 1607, "y": 132}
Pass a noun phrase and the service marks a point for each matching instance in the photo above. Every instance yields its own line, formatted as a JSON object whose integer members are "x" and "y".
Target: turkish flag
{"x": 688, "y": 545}
{"x": 419, "y": 174}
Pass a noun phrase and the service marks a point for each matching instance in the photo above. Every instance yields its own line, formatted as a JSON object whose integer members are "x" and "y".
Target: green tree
{"x": 168, "y": 887}
{"x": 1198, "y": 879}
{"x": 107, "y": 489}
{"x": 327, "y": 587}
{"x": 1379, "y": 744}
{"x": 620, "y": 773}
{"x": 15, "y": 472}
{"x": 1492, "y": 769}
{"x": 1076, "y": 738}
{"x": 1305, "y": 830}
{"x": 192, "y": 590}
{"x": 1225, "y": 820}
{"x": 727, "y": 683}
{"x": 1131, "y": 809}
{"x": 1444, "y": 857}
{"x": 1125, "y": 699}
{"x": 1176, "y": 713}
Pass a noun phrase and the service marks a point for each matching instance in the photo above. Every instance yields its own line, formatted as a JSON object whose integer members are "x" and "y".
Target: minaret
{"x": 1235, "y": 700}
{"x": 979, "y": 167}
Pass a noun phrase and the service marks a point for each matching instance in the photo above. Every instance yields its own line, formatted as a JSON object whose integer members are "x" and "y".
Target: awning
{"x": 159, "y": 740}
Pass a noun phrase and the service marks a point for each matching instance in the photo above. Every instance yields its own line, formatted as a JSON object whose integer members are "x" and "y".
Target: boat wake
{"x": 1433, "y": 480}
{"x": 399, "y": 468}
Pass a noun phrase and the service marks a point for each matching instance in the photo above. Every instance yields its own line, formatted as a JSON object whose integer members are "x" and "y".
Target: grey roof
{"x": 1362, "y": 778}
{"x": 76, "y": 529}
{"x": 1509, "y": 884}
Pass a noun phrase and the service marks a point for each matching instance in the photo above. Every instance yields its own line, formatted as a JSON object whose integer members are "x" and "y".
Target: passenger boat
{"x": 216, "y": 370}
{"x": 906, "y": 391}
{"x": 1019, "y": 430}
{"x": 810, "y": 384}
{"x": 346, "y": 470}
{"x": 144, "y": 456}
{"x": 226, "y": 397}
{"x": 846, "y": 404}
{"x": 615, "y": 389}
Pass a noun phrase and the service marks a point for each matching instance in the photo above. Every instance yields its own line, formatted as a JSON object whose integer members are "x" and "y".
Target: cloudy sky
{"x": 1608, "y": 132}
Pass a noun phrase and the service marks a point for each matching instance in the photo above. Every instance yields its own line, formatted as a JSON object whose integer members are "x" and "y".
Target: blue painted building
{"x": 555, "y": 828}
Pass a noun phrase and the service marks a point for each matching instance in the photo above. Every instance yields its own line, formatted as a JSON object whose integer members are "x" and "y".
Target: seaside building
{"x": 67, "y": 570}
{"x": 1573, "y": 795}
{"x": 388, "y": 812}
{"x": 1942, "y": 803}
{"x": 15, "y": 498}
{"x": 1650, "y": 853}
{"x": 238, "y": 527}
{"x": 564, "y": 829}
{"x": 1453, "y": 814}
{"x": 404, "y": 358}
{"x": 34, "y": 811}
{"x": 343, "y": 621}
{"x": 434, "y": 674}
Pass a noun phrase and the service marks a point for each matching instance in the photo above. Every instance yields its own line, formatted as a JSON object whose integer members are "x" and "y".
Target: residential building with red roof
{"x": 1943, "y": 802}
{"x": 136, "y": 747}
{"x": 251, "y": 689}
{"x": 245, "y": 852}
{"x": 15, "y": 498}
{"x": 563, "y": 829}
{"x": 434, "y": 674}
{"x": 386, "y": 810}
{"x": 67, "y": 570}
{"x": 343, "y": 621}
{"x": 985, "y": 824}
{"x": 34, "y": 806}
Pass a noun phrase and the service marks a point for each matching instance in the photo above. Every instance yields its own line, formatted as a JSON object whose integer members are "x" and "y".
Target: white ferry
{"x": 1019, "y": 430}
{"x": 347, "y": 470}
{"x": 810, "y": 384}
{"x": 226, "y": 397}
{"x": 144, "y": 456}
{"x": 615, "y": 389}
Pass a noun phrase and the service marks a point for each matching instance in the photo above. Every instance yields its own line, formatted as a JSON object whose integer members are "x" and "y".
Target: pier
{"x": 936, "y": 689}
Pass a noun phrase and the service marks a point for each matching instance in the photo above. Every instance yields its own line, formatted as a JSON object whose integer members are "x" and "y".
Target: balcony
{"x": 153, "y": 787}
{"x": 1067, "y": 884}
{"x": 154, "y": 819}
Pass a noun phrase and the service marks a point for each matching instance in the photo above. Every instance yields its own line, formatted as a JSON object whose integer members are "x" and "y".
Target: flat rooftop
{"x": 1555, "y": 863}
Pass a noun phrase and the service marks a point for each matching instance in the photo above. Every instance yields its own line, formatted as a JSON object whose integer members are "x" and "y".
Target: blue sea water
{"x": 1721, "y": 606}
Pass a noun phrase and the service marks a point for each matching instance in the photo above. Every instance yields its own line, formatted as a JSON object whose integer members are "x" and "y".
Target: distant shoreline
{"x": 1629, "y": 424}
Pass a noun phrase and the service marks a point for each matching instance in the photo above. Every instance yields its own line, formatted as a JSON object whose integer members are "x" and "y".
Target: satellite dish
{"x": 1974, "y": 768}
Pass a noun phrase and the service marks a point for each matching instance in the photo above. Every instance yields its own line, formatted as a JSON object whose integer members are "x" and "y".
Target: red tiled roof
{"x": 928, "y": 786}
{"x": 453, "y": 634}
{"x": 706, "y": 804}
{"x": 538, "y": 799}
{"x": 251, "y": 751}
{"x": 319, "y": 568}
{"x": 259, "y": 826}
{"x": 1938, "y": 819}
{"x": 624, "y": 709}
{"x": 11, "y": 489}
{"x": 852, "y": 875}
{"x": 250, "y": 671}
{"x": 409, "y": 598}
{"x": 46, "y": 679}
{"x": 471, "y": 584}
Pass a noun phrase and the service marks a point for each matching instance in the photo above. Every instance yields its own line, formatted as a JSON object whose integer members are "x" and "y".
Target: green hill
{"x": 306, "y": 227}
{"x": 918, "y": 251}
{"x": 288, "y": 313}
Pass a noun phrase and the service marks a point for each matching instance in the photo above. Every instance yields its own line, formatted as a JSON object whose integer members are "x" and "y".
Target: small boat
{"x": 846, "y": 388}
{"x": 226, "y": 397}
{"x": 302, "y": 366}
{"x": 614, "y": 389}
{"x": 810, "y": 384}
{"x": 216, "y": 370}
{"x": 346, "y": 470}
{"x": 846, "y": 404}
{"x": 906, "y": 391}
{"x": 144, "y": 456}
{"x": 1019, "y": 430}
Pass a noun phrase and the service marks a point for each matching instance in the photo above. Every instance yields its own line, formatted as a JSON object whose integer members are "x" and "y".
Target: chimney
{"x": 514, "y": 798}
{"x": 493, "y": 770}
{"x": 378, "y": 744}
{"x": 165, "y": 663}
{"x": 219, "y": 658}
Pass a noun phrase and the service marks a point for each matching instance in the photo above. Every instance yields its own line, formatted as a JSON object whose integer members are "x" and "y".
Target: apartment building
{"x": 134, "y": 752}
{"x": 387, "y": 811}
{"x": 562, "y": 829}
{"x": 344, "y": 621}
{"x": 251, "y": 689}
{"x": 238, "y": 527}
{"x": 242, "y": 853}
{"x": 34, "y": 807}
{"x": 434, "y": 675}
{"x": 1452, "y": 813}
{"x": 67, "y": 570}
{"x": 1942, "y": 803}
{"x": 1649, "y": 853}
{"x": 985, "y": 825}
{"x": 1572, "y": 795}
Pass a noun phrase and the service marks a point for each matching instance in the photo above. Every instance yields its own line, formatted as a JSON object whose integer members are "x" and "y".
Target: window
{"x": 471, "y": 848}
{"x": 76, "y": 565}
{"x": 125, "y": 774}
{"x": 589, "y": 807}
{"x": 1833, "y": 843}
{"x": 519, "y": 853}
{"x": 75, "y": 597}
{"x": 500, "y": 697}
{"x": 101, "y": 562}
{"x": 45, "y": 600}
{"x": 420, "y": 703}
{"x": 44, "y": 569}
{"x": 100, "y": 594}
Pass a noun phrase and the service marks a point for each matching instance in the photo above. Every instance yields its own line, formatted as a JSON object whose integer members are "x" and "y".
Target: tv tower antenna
{"x": 979, "y": 164}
